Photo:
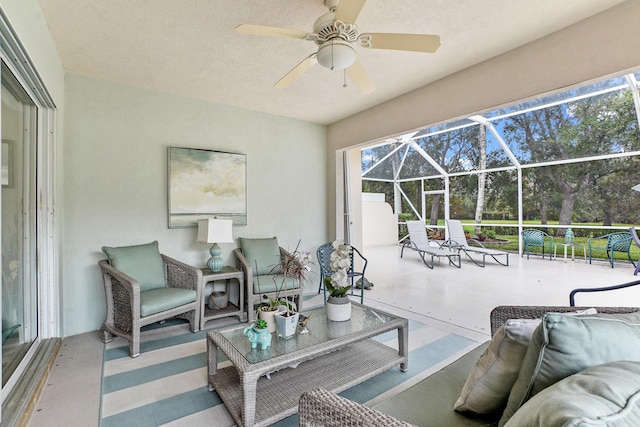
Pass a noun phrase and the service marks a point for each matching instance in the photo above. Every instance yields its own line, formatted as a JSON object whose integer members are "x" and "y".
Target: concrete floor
{"x": 452, "y": 299}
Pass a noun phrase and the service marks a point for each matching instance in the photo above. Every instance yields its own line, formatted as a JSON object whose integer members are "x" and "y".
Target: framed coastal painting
{"x": 206, "y": 184}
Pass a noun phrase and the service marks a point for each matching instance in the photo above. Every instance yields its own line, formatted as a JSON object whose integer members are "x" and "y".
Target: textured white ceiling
{"x": 189, "y": 47}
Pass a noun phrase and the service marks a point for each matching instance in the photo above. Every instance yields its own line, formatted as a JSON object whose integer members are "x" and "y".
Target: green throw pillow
{"x": 487, "y": 388}
{"x": 604, "y": 395}
{"x": 141, "y": 262}
{"x": 263, "y": 255}
{"x": 563, "y": 345}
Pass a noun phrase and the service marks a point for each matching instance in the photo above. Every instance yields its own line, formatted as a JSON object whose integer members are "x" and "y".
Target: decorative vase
{"x": 569, "y": 237}
{"x": 338, "y": 309}
{"x": 269, "y": 317}
{"x": 287, "y": 325}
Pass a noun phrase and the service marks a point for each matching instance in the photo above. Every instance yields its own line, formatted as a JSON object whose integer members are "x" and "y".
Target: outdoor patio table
{"x": 260, "y": 387}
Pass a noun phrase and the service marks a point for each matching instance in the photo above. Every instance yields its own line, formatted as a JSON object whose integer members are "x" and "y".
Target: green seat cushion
{"x": 141, "y": 262}
{"x": 430, "y": 401}
{"x": 161, "y": 299}
{"x": 273, "y": 282}
{"x": 607, "y": 394}
{"x": 263, "y": 254}
{"x": 564, "y": 345}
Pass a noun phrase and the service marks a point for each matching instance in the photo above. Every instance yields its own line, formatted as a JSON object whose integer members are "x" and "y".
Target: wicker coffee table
{"x": 261, "y": 387}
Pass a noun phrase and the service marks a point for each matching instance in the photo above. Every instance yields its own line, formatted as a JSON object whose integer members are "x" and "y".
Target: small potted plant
{"x": 258, "y": 334}
{"x": 268, "y": 309}
{"x": 295, "y": 267}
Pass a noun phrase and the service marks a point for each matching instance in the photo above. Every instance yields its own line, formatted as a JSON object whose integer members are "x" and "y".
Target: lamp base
{"x": 216, "y": 262}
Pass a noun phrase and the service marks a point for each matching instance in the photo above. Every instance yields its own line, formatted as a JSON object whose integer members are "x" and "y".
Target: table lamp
{"x": 215, "y": 231}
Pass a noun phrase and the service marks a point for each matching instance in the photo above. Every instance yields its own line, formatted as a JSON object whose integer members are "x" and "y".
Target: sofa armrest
{"x": 319, "y": 407}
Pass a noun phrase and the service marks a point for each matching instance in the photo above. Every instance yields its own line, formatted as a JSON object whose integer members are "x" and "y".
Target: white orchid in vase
{"x": 340, "y": 262}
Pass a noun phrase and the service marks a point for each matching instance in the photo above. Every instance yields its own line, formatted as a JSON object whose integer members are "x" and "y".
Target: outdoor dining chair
{"x": 537, "y": 238}
{"x": 610, "y": 244}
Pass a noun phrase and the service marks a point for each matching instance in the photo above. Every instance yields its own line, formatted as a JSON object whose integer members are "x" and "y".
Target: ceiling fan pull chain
{"x": 344, "y": 76}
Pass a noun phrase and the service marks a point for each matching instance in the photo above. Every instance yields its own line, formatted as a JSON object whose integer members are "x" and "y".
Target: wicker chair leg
{"x": 106, "y": 336}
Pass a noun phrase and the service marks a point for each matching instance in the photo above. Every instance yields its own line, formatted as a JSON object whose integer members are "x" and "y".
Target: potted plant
{"x": 295, "y": 266}
{"x": 338, "y": 303}
{"x": 268, "y": 309}
{"x": 258, "y": 334}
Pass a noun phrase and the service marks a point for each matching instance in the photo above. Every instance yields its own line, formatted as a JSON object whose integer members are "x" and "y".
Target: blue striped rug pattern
{"x": 167, "y": 384}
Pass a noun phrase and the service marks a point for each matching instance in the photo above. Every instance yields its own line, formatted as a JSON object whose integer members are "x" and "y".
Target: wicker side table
{"x": 226, "y": 274}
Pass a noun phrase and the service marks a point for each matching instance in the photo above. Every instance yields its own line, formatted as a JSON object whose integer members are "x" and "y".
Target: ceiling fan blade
{"x": 413, "y": 42}
{"x": 348, "y": 10}
{"x": 262, "y": 30}
{"x": 296, "y": 72}
{"x": 360, "y": 78}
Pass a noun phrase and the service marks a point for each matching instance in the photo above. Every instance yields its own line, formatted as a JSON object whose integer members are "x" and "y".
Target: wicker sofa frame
{"x": 123, "y": 317}
{"x": 318, "y": 407}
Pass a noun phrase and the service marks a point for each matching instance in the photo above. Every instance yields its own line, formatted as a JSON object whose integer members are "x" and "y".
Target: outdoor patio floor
{"x": 450, "y": 299}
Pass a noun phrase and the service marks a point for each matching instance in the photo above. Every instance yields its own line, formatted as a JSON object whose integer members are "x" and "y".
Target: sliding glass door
{"x": 19, "y": 237}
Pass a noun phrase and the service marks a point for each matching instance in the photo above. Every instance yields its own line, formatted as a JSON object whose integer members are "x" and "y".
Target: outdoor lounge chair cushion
{"x": 161, "y": 299}
{"x": 487, "y": 388}
{"x": 564, "y": 345}
{"x": 262, "y": 254}
{"x": 141, "y": 262}
{"x": 607, "y": 394}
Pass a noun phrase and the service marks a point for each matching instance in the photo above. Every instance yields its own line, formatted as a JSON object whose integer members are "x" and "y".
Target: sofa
{"x": 544, "y": 366}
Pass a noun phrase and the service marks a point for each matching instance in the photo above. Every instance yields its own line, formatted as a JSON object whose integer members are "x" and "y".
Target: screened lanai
{"x": 568, "y": 159}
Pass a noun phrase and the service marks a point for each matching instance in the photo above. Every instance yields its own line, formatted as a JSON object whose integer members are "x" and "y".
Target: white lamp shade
{"x": 215, "y": 231}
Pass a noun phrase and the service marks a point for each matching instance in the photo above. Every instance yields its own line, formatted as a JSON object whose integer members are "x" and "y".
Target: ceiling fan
{"x": 335, "y": 33}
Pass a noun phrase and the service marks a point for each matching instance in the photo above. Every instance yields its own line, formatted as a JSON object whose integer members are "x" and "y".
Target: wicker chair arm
{"x": 118, "y": 278}
{"x": 319, "y": 407}
{"x": 181, "y": 275}
{"x": 499, "y": 315}
{"x": 122, "y": 294}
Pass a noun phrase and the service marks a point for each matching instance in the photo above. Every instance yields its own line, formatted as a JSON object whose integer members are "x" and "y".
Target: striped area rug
{"x": 167, "y": 384}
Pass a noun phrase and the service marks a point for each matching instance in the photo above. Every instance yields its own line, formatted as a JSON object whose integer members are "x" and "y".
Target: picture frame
{"x": 6, "y": 157}
{"x": 206, "y": 184}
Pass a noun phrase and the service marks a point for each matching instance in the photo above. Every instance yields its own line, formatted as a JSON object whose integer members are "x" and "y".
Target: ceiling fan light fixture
{"x": 336, "y": 55}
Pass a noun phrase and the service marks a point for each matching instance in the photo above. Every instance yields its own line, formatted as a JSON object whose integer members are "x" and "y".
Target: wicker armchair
{"x": 123, "y": 295}
{"x": 265, "y": 278}
{"x": 318, "y": 407}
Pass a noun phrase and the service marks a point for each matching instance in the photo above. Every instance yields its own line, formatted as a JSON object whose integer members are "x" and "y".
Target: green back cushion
{"x": 607, "y": 394}
{"x": 263, "y": 255}
{"x": 564, "y": 345}
{"x": 141, "y": 262}
{"x": 489, "y": 383}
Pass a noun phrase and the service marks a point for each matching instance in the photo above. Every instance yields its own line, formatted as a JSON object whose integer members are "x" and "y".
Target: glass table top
{"x": 320, "y": 330}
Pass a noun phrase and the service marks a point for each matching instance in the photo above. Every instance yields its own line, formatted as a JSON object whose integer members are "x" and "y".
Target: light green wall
{"x": 115, "y": 183}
